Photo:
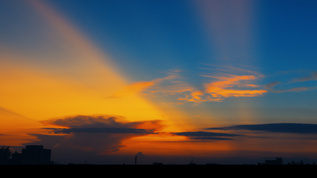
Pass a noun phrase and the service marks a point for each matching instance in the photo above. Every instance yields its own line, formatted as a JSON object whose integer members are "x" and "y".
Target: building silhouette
{"x": 32, "y": 154}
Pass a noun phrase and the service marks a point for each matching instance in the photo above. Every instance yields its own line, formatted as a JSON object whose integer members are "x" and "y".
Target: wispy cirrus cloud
{"x": 231, "y": 86}
{"x": 219, "y": 86}
{"x": 310, "y": 77}
{"x": 270, "y": 88}
{"x": 228, "y": 81}
{"x": 271, "y": 85}
{"x": 297, "y": 89}
{"x": 141, "y": 86}
{"x": 294, "y": 81}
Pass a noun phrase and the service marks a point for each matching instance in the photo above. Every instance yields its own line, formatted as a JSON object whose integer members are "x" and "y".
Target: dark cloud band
{"x": 295, "y": 128}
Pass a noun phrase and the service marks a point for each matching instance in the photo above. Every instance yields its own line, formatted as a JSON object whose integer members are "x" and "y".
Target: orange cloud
{"x": 194, "y": 96}
{"x": 226, "y": 87}
{"x": 197, "y": 95}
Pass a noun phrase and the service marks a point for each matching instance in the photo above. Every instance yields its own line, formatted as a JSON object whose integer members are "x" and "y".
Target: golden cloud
{"x": 230, "y": 87}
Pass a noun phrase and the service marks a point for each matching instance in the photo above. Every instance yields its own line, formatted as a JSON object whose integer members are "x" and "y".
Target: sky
{"x": 228, "y": 82}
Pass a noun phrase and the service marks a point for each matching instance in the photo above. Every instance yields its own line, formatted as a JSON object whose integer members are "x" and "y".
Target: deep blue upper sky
{"x": 142, "y": 35}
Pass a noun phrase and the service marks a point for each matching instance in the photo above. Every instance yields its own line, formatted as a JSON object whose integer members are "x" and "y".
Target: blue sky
{"x": 170, "y": 34}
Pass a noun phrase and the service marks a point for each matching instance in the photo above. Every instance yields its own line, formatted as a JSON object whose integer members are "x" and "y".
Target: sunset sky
{"x": 177, "y": 80}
